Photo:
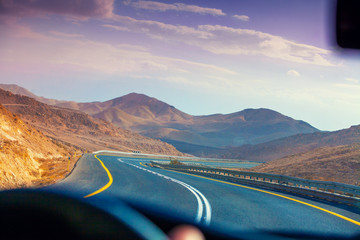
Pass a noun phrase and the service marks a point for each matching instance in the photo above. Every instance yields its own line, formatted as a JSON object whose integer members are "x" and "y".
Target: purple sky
{"x": 202, "y": 56}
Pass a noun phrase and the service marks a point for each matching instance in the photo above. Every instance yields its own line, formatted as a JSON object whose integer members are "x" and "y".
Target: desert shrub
{"x": 175, "y": 162}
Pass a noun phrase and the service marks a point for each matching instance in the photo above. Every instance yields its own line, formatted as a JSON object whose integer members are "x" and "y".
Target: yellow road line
{"x": 107, "y": 185}
{"x": 143, "y": 164}
{"x": 278, "y": 195}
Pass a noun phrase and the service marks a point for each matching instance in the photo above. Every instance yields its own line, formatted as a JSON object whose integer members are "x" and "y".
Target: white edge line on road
{"x": 201, "y": 199}
{"x": 207, "y": 207}
{"x": 200, "y": 205}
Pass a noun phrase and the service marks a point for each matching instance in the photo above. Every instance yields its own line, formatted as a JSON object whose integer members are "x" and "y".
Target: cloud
{"x": 224, "y": 40}
{"x": 352, "y": 80}
{"x": 350, "y": 87}
{"x": 215, "y": 39}
{"x": 243, "y": 18}
{"x": 67, "y": 35}
{"x": 114, "y": 27}
{"x": 180, "y": 7}
{"x": 293, "y": 73}
{"x": 40, "y": 54}
{"x": 235, "y": 41}
{"x": 82, "y": 9}
{"x": 159, "y": 30}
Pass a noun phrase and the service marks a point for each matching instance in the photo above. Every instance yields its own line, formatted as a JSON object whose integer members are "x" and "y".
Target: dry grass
{"x": 54, "y": 170}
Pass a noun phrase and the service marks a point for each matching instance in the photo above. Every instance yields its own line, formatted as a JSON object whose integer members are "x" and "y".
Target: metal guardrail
{"x": 192, "y": 164}
{"x": 169, "y": 157}
{"x": 332, "y": 191}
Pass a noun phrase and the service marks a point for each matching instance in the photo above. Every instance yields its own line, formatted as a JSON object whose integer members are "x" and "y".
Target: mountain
{"x": 27, "y": 156}
{"x": 293, "y": 145}
{"x": 79, "y": 129}
{"x": 156, "y": 119}
{"x": 337, "y": 164}
{"x": 139, "y": 107}
{"x": 144, "y": 107}
{"x": 153, "y": 118}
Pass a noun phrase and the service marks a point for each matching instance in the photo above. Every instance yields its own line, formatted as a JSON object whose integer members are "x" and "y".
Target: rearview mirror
{"x": 348, "y": 23}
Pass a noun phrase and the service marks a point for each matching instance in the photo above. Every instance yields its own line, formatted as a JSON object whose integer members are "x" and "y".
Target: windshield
{"x": 204, "y": 57}
{"x": 246, "y": 85}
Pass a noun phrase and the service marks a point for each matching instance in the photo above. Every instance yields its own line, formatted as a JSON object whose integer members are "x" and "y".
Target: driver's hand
{"x": 186, "y": 232}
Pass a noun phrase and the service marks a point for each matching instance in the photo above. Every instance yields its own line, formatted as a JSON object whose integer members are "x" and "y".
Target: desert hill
{"x": 338, "y": 164}
{"x": 294, "y": 144}
{"x": 28, "y": 157}
{"x": 79, "y": 129}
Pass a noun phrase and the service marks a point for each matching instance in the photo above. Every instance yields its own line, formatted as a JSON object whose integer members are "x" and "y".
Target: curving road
{"x": 208, "y": 201}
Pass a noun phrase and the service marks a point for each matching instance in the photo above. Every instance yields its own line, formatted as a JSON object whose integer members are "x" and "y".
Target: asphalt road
{"x": 207, "y": 201}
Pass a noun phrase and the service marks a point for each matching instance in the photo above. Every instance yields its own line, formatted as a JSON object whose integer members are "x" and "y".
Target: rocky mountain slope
{"x": 28, "y": 157}
{"x": 292, "y": 145}
{"x": 338, "y": 164}
{"x": 80, "y": 129}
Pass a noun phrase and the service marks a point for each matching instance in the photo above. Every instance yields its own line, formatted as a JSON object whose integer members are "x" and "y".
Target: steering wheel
{"x": 39, "y": 214}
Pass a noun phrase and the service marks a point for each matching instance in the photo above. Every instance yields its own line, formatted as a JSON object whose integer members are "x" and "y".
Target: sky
{"x": 201, "y": 56}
